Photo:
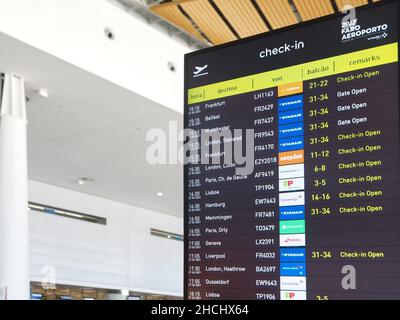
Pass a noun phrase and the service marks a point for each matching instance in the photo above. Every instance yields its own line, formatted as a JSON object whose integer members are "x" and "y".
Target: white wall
{"x": 156, "y": 263}
{"x": 120, "y": 255}
{"x": 73, "y": 30}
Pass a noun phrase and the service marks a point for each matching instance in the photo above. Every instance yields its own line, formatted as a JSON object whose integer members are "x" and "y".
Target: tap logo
{"x": 288, "y": 183}
{"x": 293, "y": 295}
{"x": 291, "y": 184}
{"x": 200, "y": 71}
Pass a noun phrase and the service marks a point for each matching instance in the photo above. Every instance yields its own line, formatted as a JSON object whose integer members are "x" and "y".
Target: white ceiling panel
{"x": 89, "y": 127}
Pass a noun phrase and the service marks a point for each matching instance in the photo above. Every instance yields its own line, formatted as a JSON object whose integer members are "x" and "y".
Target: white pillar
{"x": 14, "y": 252}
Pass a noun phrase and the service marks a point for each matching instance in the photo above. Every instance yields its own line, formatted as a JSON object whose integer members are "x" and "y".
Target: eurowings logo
{"x": 293, "y": 283}
{"x": 291, "y": 199}
{"x": 200, "y": 71}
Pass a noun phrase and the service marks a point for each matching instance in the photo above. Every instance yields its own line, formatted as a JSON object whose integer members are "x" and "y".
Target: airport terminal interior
{"x": 95, "y": 200}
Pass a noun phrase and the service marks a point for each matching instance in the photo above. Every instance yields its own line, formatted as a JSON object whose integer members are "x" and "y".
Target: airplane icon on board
{"x": 199, "y": 71}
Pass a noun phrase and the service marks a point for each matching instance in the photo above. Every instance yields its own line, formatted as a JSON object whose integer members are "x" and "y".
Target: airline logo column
{"x": 291, "y": 192}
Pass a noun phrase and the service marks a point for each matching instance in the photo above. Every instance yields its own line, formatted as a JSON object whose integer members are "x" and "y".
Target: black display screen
{"x": 311, "y": 116}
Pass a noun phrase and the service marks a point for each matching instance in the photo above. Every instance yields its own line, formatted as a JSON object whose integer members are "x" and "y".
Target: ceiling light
{"x": 43, "y": 93}
{"x": 171, "y": 66}
{"x": 125, "y": 292}
{"x": 109, "y": 34}
{"x": 83, "y": 181}
{"x": 160, "y": 194}
{"x": 36, "y": 207}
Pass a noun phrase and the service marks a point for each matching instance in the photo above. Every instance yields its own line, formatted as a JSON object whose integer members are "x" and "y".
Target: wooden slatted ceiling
{"x": 355, "y": 3}
{"x": 312, "y": 9}
{"x": 243, "y": 17}
{"x": 208, "y": 20}
{"x": 170, "y": 12}
{"x": 279, "y": 13}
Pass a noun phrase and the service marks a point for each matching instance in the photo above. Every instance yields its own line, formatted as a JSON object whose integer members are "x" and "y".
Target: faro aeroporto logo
{"x": 352, "y": 30}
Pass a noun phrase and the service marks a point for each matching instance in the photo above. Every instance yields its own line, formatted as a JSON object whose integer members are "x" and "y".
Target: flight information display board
{"x": 318, "y": 217}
